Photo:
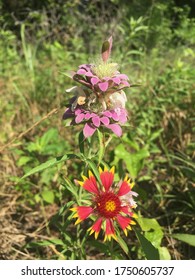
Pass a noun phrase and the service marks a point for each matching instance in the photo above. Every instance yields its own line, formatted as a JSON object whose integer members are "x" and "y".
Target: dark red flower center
{"x": 108, "y": 205}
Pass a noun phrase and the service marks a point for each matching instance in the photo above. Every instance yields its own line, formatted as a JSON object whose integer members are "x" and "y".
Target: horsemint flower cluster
{"x": 110, "y": 204}
{"x": 100, "y": 100}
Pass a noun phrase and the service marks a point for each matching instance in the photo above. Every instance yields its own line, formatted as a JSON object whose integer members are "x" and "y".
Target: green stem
{"x": 111, "y": 249}
{"x": 101, "y": 151}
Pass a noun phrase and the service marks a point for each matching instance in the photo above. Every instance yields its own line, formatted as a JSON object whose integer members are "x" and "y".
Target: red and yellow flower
{"x": 111, "y": 204}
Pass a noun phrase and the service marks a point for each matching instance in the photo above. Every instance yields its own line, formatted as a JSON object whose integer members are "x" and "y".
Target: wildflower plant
{"x": 98, "y": 104}
{"x": 103, "y": 203}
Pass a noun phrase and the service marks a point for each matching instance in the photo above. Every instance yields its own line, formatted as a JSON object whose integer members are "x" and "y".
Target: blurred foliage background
{"x": 154, "y": 44}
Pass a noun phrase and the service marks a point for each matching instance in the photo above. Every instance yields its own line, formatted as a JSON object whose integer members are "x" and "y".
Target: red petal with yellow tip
{"x": 123, "y": 221}
{"x": 83, "y": 212}
{"x": 126, "y": 210}
{"x": 124, "y": 188}
{"x": 110, "y": 231}
{"x": 96, "y": 227}
{"x": 107, "y": 178}
{"x": 90, "y": 184}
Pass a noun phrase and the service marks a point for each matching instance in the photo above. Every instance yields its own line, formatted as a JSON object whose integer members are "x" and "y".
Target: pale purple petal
{"x": 89, "y": 74}
{"x": 103, "y": 86}
{"x": 81, "y": 72}
{"x": 115, "y": 128}
{"x": 123, "y": 116}
{"x": 107, "y": 78}
{"x": 68, "y": 114}
{"x": 115, "y": 116}
{"x": 116, "y": 80}
{"x": 79, "y": 118}
{"x": 78, "y": 111}
{"x": 96, "y": 121}
{"x": 107, "y": 114}
{"x": 123, "y": 76}
{"x": 94, "y": 80}
{"x": 85, "y": 66}
{"x": 105, "y": 120}
{"x": 88, "y": 130}
{"x": 125, "y": 83}
{"x": 81, "y": 81}
{"x": 87, "y": 116}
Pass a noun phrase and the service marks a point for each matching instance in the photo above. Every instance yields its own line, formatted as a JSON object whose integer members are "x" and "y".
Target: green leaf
{"x": 187, "y": 238}
{"x": 71, "y": 187}
{"x": 81, "y": 142}
{"x": 164, "y": 253}
{"x": 152, "y": 229}
{"x": 51, "y": 134}
{"x": 94, "y": 168}
{"x": 154, "y": 233}
{"x": 134, "y": 161}
{"x": 123, "y": 244}
{"x": 155, "y": 134}
{"x": 49, "y": 163}
{"x": 45, "y": 243}
{"x": 37, "y": 198}
{"x": 57, "y": 241}
{"x": 102, "y": 247}
{"x": 65, "y": 207}
{"x": 23, "y": 160}
{"x": 149, "y": 250}
{"x": 48, "y": 196}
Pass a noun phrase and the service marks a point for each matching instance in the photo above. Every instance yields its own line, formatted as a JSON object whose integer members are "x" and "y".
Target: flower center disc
{"x": 108, "y": 205}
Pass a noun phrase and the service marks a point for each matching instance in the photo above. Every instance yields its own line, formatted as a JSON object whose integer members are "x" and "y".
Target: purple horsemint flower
{"x": 110, "y": 119}
{"x": 102, "y": 77}
{"x": 100, "y": 102}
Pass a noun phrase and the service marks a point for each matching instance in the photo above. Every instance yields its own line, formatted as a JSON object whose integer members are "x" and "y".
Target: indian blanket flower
{"x": 111, "y": 205}
{"x": 100, "y": 101}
